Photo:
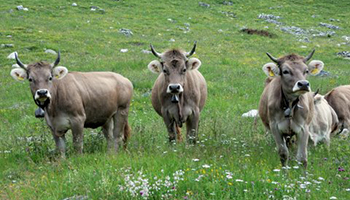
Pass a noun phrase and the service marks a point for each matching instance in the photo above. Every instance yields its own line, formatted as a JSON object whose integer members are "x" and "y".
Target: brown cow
{"x": 339, "y": 99}
{"x": 180, "y": 91}
{"x": 76, "y": 100}
{"x": 286, "y": 105}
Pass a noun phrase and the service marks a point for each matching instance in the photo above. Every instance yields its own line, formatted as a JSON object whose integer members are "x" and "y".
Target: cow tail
{"x": 127, "y": 134}
{"x": 178, "y": 133}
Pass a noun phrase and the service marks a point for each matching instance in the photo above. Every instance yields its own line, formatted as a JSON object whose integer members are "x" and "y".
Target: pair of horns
{"x": 21, "y": 65}
{"x": 277, "y": 60}
{"x": 188, "y": 54}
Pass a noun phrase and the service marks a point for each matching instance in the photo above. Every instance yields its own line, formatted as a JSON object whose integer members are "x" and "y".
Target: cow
{"x": 324, "y": 122}
{"x": 339, "y": 99}
{"x": 79, "y": 100}
{"x": 286, "y": 105}
{"x": 179, "y": 93}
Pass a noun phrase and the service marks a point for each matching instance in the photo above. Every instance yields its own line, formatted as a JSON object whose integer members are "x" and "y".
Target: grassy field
{"x": 234, "y": 160}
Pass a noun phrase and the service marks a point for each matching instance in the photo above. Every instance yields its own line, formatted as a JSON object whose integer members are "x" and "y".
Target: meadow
{"x": 234, "y": 159}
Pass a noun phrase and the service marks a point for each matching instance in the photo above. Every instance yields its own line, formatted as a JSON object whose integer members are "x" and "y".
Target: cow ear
{"x": 19, "y": 74}
{"x": 155, "y": 66}
{"x": 315, "y": 67}
{"x": 318, "y": 98}
{"x": 271, "y": 70}
{"x": 193, "y": 63}
{"x": 60, "y": 72}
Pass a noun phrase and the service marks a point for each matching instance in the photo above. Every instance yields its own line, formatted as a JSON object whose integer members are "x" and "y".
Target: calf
{"x": 324, "y": 122}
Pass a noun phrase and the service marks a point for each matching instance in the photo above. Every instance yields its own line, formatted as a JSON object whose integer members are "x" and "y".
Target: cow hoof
{"x": 39, "y": 113}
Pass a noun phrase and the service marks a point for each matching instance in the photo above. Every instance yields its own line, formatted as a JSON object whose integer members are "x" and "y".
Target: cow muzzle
{"x": 174, "y": 89}
{"x": 302, "y": 86}
{"x": 42, "y": 95}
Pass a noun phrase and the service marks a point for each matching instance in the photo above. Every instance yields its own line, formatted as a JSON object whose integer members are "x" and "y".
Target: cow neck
{"x": 288, "y": 105}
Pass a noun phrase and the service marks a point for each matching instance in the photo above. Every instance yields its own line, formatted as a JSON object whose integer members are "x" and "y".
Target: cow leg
{"x": 78, "y": 136}
{"x": 281, "y": 145}
{"x": 192, "y": 127}
{"x": 303, "y": 138}
{"x": 170, "y": 125}
{"x": 120, "y": 120}
{"x": 60, "y": 144}
{"x": 107, "y": 130}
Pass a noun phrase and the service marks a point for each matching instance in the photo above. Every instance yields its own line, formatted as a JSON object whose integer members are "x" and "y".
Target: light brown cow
{"x": 339, "y": 99}
{"x": 286, "y": 105}
{"x": 76, "y": 100}
{"x": 180, "y": 91}
{"x": 324, "y": 122}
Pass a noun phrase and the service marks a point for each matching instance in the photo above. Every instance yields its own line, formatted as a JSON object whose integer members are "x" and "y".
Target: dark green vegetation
{"x": 235, "y": 159}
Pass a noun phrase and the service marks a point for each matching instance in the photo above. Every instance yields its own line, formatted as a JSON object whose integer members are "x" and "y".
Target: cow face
{"x": 293, "y": 71}
{"x": 174, "y": 65}
{"x": 40, "y": 76}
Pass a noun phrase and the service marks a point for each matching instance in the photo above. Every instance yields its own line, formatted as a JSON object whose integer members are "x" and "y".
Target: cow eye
{"x": 164, "y": 71}
{"x": 30, "y": 79}
{"x": 285, "y": 72}
{"x": 184, "y": 70}
{"x": 307, "y": 71}
{"x": 50, "y": 78}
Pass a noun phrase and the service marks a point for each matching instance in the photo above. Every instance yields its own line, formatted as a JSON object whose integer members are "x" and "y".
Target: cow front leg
{"x": 281, "y": 144}
{"x": 60, "y": 145}
{"x": 107, "y": 130}
{"x": 78, "y": 136}
{"x": 192, "y": 127}
{"x": 170, "y": 125}
{"x": 303, "y": 138}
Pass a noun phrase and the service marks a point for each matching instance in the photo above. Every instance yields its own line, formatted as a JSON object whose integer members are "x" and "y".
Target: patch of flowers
{"x": 139, "y": 185}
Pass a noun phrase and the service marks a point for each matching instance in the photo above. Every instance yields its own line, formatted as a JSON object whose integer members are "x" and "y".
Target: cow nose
{"x": 174, "y": 88}
{"x": 42, "y": 92}
{"x": 303, "y": 84}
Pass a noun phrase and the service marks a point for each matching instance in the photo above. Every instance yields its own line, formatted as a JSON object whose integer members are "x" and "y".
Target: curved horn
{"x": 316, "y": 91}
{"x": 188, "y": 54}
{"x": 271, "y": 57}
{"x": 57, "y": 60}
{"x": 19, "y": 63}
{"x": 309, "y": 56}
{"x": 158, "y": 55}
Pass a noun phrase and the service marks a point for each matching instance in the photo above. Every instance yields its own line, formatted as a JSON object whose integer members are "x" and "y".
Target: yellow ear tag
{"x": 271, "y": 73}
{"x": 57, "y": 76}
{"x": 20, "y": 78}
{"x": 314, "y": 71}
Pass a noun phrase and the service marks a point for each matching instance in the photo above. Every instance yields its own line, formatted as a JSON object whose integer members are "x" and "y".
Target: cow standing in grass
{"x": 287, "y": 105}
{"x": 179, "y": 93}
{"x": 339, "y": 99}
{"x": 76, "y": 100}
{"x": 324, "y": 122}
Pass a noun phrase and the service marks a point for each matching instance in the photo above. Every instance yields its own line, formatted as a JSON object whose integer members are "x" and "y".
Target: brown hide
{"x": 339, "y": 99}
{"x": 94, "y": 96}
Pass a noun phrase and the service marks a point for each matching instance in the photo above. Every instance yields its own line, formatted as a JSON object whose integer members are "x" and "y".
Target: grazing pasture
{"x": 234, "y": 159}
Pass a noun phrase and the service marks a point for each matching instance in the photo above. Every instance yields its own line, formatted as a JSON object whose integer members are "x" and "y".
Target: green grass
{"x": 235, "y": 159}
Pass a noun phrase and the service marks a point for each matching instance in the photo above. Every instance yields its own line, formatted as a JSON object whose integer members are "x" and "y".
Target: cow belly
{"x": 96, "y": 121}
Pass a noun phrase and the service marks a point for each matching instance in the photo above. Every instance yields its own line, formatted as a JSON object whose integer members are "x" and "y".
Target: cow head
{"x": 174, "y": 64}
{"x": 40, "y": 76}
{"x": 293, "y": 71}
